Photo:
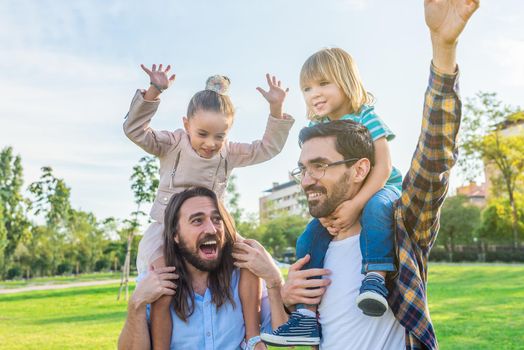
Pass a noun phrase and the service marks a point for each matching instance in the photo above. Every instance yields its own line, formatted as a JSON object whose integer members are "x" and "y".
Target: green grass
{"x": 40, "y": 281}
{"x": 77, "y": 318}
{"x": 472, "y": 307}
{"x": 477, "y": 307}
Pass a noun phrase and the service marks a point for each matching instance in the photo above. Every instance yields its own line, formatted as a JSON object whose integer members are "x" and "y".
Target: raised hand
{"x": 447, "y": 18}
{"x": 158, "y": 282}
{"x": 159, "y": 80}
{"x": 253, "y": 256}
{"x": 275, "y": 95}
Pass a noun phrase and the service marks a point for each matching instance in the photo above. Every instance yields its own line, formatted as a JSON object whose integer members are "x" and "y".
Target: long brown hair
{"x": 219, "y": 280}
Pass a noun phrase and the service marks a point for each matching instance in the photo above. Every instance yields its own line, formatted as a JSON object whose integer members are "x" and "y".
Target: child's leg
{"x": 302, "y": 327}
{"x": 161, "y": 323}
{"x": 377, "y": 248}
{"x": 313, "y": 241}
{"x": 250, "y": 292}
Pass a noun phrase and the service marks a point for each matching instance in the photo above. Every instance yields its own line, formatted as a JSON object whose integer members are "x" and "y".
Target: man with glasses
{"x": 335, "y": 161}
{"x": 332, "y": 171}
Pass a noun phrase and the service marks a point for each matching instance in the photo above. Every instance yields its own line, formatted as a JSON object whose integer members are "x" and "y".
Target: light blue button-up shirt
{"x": 209, "y": 328}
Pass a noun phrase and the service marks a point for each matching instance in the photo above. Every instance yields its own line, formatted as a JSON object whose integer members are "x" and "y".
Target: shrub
{"x": 64, "y": 269}
{"x": 102, "y": 264}
{"x": 14, "y": 272}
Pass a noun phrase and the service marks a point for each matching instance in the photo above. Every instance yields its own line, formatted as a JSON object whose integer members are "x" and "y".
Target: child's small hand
{"x": 327, "y": 222}
{"x": 275, "y": 96}
{"x": 159, "y": 78}
{"x": 344, "y": 216}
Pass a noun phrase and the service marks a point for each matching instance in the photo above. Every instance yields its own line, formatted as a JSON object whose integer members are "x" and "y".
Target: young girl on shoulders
{"x": 200, "y": 155}
{"x": 333, "y": 90}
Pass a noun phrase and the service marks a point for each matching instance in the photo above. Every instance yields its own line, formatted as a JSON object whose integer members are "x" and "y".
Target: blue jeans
{"x": 376, "y": 237}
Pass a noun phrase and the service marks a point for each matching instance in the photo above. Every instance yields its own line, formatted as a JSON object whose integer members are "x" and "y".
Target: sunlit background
{"x": 68, "y": 70}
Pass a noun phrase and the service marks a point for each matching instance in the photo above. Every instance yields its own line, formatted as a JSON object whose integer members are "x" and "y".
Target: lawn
{"x": 472, "y": 306}
{"x": 40, "y": 281}
{"x": 477, "y": 307}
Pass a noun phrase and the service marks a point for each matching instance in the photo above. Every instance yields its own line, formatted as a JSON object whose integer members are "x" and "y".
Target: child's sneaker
{"x": 298, "y": 330}
{"x": 373, "y": 293}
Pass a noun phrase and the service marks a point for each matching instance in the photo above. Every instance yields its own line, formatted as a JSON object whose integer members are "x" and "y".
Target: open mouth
{"x": 319, "y": 105}
{"x": 207, "y": 153}
{"x": 313, "y": 195}
{"x": 209, "y": 249}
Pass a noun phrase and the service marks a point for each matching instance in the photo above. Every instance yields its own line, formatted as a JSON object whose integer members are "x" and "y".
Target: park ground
{"x": 472, "y": 306}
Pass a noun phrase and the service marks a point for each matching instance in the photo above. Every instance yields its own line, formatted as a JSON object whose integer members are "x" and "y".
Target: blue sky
{"x": 68, "y": 70}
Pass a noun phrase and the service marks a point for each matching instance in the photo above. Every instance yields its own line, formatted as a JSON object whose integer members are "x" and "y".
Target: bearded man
{"x": 206, "y": 310}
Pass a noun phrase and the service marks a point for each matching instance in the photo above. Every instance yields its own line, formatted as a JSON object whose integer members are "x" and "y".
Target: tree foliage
{"x": 459, "y": 223}
{"x": 232, "y": 200}
{"x": 144, "y": 180}
{"x": 281, "y": 232}
{"x": 13, "y": 221}
{"x": 497, "y": 222}
{"x": 52, "y": 198}
{"x": 144, "y": 183}
{"x": 68, "y": 240}
{"x": 484, "y": 142}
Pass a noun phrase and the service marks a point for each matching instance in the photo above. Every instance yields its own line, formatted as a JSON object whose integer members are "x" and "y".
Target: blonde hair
{"x": 337, "y": 66}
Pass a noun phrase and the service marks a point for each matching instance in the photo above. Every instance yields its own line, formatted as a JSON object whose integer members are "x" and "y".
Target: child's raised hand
{"x": 344, "y": 216}
{"x": 158, "y": 77}
{"x": 275, "y": 95}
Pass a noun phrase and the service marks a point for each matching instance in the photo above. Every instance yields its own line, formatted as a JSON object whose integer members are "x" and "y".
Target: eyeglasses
{"x": 317, "y": 170}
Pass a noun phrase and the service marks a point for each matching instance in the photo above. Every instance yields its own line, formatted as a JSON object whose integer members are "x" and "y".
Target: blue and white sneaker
{"x": 298, "y": 330}
{"x": 373, "y": 295}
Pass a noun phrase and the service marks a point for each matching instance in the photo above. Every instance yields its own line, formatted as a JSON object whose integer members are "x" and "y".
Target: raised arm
{"x": 271, "y": 144}
{"x": 275, "y": 135}
{"x": 426, "y": 183}
{"x": 275, "y": 96}
{"x": 446, "y": 19}
{"x": 143, "y": 107}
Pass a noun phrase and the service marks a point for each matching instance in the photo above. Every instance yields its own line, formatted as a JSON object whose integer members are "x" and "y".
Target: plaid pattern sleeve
{"x": 417, "y": 213}
{"x": 425, "y": 186}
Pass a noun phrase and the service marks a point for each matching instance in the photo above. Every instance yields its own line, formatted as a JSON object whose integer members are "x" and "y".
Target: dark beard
{"x": 332, "y": 202}
{"x": 192, "y": 257}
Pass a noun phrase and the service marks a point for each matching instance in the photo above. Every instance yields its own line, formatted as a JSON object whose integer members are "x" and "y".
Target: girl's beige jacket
{"x": 181, "y": 167}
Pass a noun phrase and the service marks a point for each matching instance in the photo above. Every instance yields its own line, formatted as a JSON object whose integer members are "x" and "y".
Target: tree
{"x": 497, "y": 221}
{"x": 232, "y": 198}
{"x": 282, "y": 232}
{"x": 459, "y": 222}
{"x": 52, "y": 200}
{"x": 144, "y": 183}
{"x": 483, "y": 141}
{"x": 87, "y": 241}
{"x": 13, "y": 222}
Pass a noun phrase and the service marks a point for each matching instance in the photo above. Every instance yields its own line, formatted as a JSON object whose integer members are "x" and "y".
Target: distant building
{"x": 284, "y": 198}
{"x": 475, "y": 193}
